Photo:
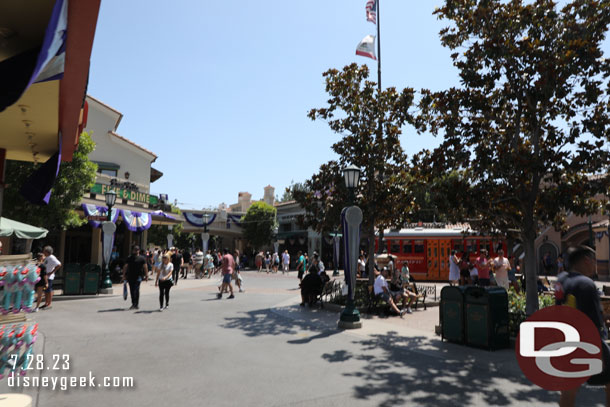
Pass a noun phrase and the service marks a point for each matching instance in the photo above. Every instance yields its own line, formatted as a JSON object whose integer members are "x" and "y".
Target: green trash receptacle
{"x": 486, "y": 312}
{"x": 72, "y": 279}
{"x": 452, "y": 313}
{"x": 91, "y": 278}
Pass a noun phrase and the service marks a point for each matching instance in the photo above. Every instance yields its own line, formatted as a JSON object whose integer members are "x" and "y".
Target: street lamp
{"x": 351, "y": 175}
{"x": 108, "y": 228}
{"x": 351, "y": 218}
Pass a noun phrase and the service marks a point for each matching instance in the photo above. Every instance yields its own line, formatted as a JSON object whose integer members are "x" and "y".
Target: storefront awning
{"x": 10, "y": 227}
{"x": 136, "y": 219}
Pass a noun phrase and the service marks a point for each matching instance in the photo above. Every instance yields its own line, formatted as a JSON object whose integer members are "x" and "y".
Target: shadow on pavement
{"x": 113, "y": 310}
{"x": 419, "y": 371}
{"x": 267, "y": 322}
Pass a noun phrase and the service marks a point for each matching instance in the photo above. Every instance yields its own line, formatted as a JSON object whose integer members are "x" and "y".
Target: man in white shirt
{"x": 198, "y": 263}
{"x": 51, "y": 265}
{"x": 285, "y": 262}
{"x": 501, "y": 266}
{"x": 381, "y": 289}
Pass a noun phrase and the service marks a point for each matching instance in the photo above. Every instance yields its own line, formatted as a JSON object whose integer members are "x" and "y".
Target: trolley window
{"x": 419, "y": 246}
{"x": 486, "y": 244}
{"x": 406, "y": 247}
{"x": 458, "y": 246}
{"x": 471, "y": 246}
{"x": 395, "y": 246}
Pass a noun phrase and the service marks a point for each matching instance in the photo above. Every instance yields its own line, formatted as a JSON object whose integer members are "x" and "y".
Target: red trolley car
{"x": 426, "y": 247}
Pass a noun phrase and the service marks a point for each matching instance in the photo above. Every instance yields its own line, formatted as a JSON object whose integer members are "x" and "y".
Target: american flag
{"x": 371, "y": 11}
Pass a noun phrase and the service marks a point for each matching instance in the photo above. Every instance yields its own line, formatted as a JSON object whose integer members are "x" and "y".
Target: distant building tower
{"x": 269, "y": 197}
{"x": 244, "y": 200}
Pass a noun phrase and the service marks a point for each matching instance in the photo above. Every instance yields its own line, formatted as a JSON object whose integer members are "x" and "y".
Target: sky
{"x": 220, "y": 90}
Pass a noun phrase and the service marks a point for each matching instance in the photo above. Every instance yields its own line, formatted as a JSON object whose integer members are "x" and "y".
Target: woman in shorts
{"x": 43, "y": 283}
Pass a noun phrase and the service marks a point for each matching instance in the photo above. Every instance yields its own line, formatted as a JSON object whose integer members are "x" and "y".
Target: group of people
{"x": 393, "y": 284}
{"x": 271, "y": 262}
{"x": 484, "y": 270}
{"x": 166, "y": 272}
{"x": 48, "y": 266}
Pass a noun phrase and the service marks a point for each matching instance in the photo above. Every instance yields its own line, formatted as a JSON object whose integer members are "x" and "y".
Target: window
{"x": 471, "y": 246}
{"x": 111, "y": 173}
{"x": 419, "y": 246}
{"x": 395, "y": 246}
{"x": 458, "y": 246}
{"x": 486, "y": 244}
{"x": 406, "y": 247}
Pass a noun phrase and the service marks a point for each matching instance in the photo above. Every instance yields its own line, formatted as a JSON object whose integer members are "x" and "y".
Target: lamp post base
{"x": 106, "y": 291}
{"x": 350, "y": 318}
{"x": 335, "y": 273}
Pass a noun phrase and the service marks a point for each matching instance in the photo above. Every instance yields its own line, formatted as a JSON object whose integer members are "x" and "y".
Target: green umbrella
{"x": 9, "y": 227}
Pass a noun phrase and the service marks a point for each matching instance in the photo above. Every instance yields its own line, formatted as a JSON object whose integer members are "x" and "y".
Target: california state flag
{"x": 366, "y": 48}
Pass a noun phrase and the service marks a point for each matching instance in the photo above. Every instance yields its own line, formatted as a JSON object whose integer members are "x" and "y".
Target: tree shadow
{"x": 285, "y": 321}
{"x": 402, "y": 370}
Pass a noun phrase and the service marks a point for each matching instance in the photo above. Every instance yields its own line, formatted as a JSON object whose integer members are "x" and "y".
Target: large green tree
{"x": 528, "y": 127}
{"x": 258, "y": 224}
{"x": 369, "y": 121}
{"x": 74, "y": 179}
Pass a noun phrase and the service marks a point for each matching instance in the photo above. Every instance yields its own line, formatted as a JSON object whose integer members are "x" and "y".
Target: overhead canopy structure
{"x": 10, "y": 227}
{"x": 45, "y": 48}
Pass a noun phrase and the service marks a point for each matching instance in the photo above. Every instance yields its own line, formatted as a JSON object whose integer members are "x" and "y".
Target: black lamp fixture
{"x": 110, "y": 199}
{"x": 351, "y": 175}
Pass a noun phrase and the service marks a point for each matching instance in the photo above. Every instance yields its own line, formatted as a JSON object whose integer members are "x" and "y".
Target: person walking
{"x": 275, "y": 261}
{"x": 301, "y": 266}
{"x": 285, "y": 262}
{"x": 165, "y": 281}
{"x": 575, "y": 288}
{"x": 43, "y": 283}
{"x": 227, "y": 267}
{"x": 177, "y": 261}
{"x": 198, "y": 263}
{"x": 267, "y": 262}
{"x": 52, "y": 265}
{"x": 134, "y": 270}
{"x": 236, "y": 273}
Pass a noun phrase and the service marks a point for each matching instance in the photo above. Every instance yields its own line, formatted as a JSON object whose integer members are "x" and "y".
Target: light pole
{"x": 351, "y": 218}
{"x": 276, "y": 244}
{"x": 205, "y": 236}
{"x": 336, "y": 239}
{"x": 108, "y": 228}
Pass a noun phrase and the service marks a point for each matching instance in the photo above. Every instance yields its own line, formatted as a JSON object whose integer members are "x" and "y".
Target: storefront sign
{"x": 122, "y": 193}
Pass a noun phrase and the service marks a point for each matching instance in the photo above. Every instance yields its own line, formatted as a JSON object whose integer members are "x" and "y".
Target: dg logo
{"x": 559, "y": 348}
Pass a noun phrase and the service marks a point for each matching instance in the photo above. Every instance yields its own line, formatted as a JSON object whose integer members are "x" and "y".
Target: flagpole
{"x": 378, "y": 51}
{"x": 380, "y": 129}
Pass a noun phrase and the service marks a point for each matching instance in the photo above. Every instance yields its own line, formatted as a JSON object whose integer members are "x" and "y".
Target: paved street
{"x": 262, "y": 349}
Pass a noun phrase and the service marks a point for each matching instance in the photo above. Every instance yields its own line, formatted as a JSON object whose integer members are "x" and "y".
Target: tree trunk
{"x": 371, "y": 252}
{"x": 529, "y": 268}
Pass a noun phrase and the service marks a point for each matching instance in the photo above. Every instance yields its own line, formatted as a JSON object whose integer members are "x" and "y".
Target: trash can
{"x": 72, "y": 279}
{"x": 487, "y": 317}
{"x": 91, "y": 278}
{"x": 452, "y": 313}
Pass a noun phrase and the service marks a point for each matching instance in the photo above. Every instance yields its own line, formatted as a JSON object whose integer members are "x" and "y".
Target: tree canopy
{"x": 526, "y": 133}
{"x": 258, "y": 224}
{"x": 74, "y": 179}
{"x": 369, "y": 122}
